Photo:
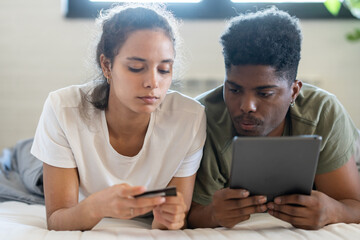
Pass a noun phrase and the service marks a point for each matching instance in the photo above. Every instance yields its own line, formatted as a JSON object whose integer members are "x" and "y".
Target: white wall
{"x": 40, "y": 51}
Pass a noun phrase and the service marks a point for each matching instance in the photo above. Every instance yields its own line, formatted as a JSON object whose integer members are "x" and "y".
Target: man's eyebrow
{"x": 144, "y": 60}
{"x": 233, "y": 84}
{"x": 266, "y": 87}
{"x": 257, "y": 88}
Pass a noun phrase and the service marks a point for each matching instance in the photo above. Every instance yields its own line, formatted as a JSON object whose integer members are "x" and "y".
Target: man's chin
{"x": 247, "y": 133}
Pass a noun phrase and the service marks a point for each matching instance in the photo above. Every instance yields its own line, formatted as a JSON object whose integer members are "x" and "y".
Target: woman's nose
{"x": 152, "y": 80}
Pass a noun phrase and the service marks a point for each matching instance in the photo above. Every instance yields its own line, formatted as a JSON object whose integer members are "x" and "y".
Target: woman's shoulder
{"x": 176, "y": 101}
{"x": 70, "y": 96}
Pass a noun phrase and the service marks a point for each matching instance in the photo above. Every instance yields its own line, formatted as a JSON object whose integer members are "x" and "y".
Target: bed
{"x": 21, "y": 221}
{"x": 22, "y": 213}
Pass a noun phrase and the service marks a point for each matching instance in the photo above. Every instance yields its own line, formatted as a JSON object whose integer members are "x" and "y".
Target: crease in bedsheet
{"x": 339, "y": 229}
{"x": 260, "y": 226}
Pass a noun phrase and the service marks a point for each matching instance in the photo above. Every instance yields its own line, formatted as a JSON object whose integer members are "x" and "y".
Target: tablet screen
{"x": 275, "y": 166}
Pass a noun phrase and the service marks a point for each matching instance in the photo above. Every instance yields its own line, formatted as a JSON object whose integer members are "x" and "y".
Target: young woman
{"x": 104, "y": 142}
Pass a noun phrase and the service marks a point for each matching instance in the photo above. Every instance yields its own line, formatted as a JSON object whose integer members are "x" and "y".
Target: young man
{"x": 262, "y": 97}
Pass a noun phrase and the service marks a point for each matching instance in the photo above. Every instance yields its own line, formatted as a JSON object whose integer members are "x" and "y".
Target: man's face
{"x": 257, "y": 99}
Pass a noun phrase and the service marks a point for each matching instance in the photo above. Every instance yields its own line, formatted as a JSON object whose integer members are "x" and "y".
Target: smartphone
{"x": 164, "y": 192}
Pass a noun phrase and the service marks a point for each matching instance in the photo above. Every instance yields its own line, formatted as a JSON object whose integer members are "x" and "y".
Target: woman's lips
{"x": 149, "y": 99}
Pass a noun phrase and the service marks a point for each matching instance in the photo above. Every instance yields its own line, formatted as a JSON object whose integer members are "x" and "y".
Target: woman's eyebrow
{"x": 136, "y": 59}
{"x": 168, "y": 60}
{"x": 144, "y": 60}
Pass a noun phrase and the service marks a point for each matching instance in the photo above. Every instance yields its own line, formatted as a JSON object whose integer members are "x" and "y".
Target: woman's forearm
{"x": 83, "y": 216}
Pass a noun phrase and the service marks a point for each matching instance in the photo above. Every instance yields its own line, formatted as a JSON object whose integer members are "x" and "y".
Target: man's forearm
{"x": 201, "y": 216}
{"x": 349, "y": 211}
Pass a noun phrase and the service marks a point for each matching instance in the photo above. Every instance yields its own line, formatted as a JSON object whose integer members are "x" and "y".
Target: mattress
{"x": 20, "y": 221}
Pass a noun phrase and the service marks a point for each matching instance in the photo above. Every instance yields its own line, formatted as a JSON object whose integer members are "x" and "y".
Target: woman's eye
{"x": 164, "y": 71}
{"x": 135, "y": 70}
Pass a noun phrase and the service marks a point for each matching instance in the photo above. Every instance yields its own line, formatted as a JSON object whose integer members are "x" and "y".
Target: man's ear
{"x": 295, "y": 88}
{"x": 105, "y": 65}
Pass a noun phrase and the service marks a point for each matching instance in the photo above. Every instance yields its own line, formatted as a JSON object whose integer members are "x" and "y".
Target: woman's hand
{"x": 118, "y": 202}
{"x": 64, "y": 212}
{"x": 171, "y": 214}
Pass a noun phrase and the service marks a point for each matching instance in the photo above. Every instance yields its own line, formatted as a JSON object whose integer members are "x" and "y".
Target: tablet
{"x": 275, "y": 166}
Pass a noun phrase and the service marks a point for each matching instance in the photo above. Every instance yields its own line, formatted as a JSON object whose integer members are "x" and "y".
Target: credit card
{"x": 164, "y": 192}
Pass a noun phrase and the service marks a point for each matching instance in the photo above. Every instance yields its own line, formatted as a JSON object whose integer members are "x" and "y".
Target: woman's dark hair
{"x": 269, "y": 37}
{"x": 117, "y": 24}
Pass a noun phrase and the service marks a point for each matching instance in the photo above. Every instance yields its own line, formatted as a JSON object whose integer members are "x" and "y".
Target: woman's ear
{"x": 295, "y": 88}
{"x": 105, "y": 65}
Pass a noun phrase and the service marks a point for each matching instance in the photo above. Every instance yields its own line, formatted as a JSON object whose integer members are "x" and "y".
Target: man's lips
{"x": 248, "y": 123}
{"x": 149, "y": 99}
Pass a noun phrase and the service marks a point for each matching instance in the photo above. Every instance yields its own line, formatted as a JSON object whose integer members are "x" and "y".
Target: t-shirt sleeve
{"x": 50, "y": 143}
{"x": 213, "y": 172}
{"x": 339, "y": 135}
{"x": 191, "y": 163}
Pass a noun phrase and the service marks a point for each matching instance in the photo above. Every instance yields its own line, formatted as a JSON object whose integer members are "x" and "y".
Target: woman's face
{"x": 142, "y": 71}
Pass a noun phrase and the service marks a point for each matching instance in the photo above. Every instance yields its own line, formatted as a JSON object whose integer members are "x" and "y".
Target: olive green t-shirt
{"x": 315, "y": 112}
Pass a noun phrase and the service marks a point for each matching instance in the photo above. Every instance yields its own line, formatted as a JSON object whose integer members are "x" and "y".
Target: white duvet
{"x": 19, "y": 221}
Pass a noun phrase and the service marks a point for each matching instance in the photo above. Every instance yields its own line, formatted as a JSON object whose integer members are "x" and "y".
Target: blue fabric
{"x": 21, "y": 175}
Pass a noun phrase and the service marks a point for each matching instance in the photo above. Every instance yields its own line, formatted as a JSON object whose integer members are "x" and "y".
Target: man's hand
{"x": 302, "y": 211}
{"x": 231, "y": 206}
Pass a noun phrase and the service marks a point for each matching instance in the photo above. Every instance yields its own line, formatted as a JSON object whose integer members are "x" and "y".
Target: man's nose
{"x": 248, "y": 104}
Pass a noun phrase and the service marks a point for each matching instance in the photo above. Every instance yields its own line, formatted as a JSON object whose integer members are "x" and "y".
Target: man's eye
{"x": 234, "y": 90}
{"x": 265, "y": 94}
{"x": 135, "y": 70}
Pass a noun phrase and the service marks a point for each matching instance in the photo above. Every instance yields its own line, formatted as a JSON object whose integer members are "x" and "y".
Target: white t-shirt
{"x": 68, "y": 138}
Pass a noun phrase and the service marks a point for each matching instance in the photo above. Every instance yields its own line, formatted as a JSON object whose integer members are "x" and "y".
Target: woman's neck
{"x": 127, "y": 131}
{"x": 126, "y": 123}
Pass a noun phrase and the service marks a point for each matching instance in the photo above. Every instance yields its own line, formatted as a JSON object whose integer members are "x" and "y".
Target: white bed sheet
{"x": 20, "y": 221}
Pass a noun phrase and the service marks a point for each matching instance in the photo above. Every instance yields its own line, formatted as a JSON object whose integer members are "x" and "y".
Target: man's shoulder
{"x": 313, "y": 104}
{"x": 213, "y": 100}
{"x": 211, "y": 97}
{"x": 315, "y": 93}
{"x": 219, "y": 123}
{"x": 320, "y": 112}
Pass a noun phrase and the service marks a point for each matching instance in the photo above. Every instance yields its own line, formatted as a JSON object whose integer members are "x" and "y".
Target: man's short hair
{"x": 269, "y": 37}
